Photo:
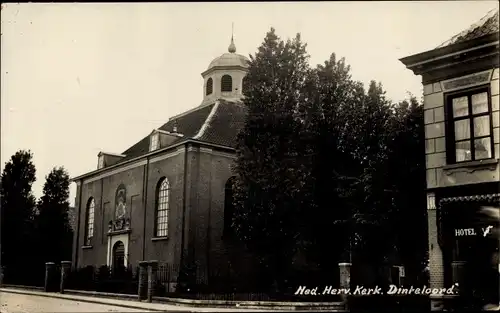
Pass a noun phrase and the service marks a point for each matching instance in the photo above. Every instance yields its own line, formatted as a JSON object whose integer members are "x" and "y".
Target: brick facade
{"x": 194, "y": 152}
{"x": 197, "y": 176}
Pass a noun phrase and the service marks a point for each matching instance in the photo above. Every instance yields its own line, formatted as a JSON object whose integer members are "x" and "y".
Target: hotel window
{"x": 155, "y": 142}
{"x": 162, "y": 197}
{"x": 469, "y": 128}
{"x": 90, "y": 220}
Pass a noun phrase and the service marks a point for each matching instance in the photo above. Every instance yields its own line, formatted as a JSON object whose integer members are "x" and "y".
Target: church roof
{"x": 229, "y": 59}
{"x": 217, "y": 123}
{"x": 485, "y": 26}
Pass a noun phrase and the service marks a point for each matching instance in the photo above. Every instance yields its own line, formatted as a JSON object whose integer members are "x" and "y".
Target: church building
{"x": 168, "y": 196}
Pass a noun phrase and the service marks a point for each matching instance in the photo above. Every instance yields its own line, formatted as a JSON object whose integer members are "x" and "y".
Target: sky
{"x": 80, "y": 78}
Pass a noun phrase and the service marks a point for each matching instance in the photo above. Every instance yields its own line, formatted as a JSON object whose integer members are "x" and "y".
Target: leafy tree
{"x": 332, "y": 98}
{"x": 17, "y": 209}
{"x": 407, "y": 172}
{"x": 52, "y": 222}
{"x": 268, "y": 191}
{"x": 320, "y": 158}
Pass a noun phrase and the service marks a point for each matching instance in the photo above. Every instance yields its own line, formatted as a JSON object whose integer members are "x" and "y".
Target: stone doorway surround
{"x": 119, "y": 230}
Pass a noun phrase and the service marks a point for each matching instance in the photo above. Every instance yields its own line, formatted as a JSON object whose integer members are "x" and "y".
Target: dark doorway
{"x": 473, "y": 253}
{"x": 118, "y": 256}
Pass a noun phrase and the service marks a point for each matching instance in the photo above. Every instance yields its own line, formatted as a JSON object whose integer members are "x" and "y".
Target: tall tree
{"x": 17, "y": 209}
{"x": 321, "y": 157}
{"x": 52, "y": 222}
{"x": 332, "y": 96}
{"x": 407, "y": 178}
{"x": 270, "y": 171}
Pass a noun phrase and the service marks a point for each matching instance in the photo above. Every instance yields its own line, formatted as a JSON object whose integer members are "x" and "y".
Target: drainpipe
{"x": 102, "y": 211}
{"x": 209, "y": 228}
{"x": 184, "y": 192}
{"x": 77, "y": 246}
{"x": 144, "y": 205}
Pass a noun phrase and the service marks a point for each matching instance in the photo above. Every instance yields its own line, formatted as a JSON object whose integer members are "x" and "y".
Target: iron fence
{"x": 122, "y": 280}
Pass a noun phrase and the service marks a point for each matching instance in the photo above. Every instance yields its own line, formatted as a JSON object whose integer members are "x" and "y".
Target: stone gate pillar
{"x": 152, "y": 270}
{"x": 49, "y": 276}
{"x": 65, "y": 269}
{"x": 345, "y": 277}
{"x": 143, "y": 280}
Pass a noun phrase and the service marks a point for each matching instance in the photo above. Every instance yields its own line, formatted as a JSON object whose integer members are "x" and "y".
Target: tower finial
{"x": 232, "y": 47}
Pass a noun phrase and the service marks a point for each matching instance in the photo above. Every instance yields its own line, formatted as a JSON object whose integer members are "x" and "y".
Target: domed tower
{"x": 223, "y": 78}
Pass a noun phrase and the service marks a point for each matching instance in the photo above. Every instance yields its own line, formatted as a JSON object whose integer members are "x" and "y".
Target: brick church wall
{"x": 208, "y": 171}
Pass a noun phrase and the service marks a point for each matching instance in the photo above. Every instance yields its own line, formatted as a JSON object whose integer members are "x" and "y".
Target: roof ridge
{"x": 206, "y": 124}
{"x": 190, "y": 111}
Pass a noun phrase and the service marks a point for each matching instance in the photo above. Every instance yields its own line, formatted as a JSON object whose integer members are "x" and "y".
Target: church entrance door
{"x": 118, "y": 256}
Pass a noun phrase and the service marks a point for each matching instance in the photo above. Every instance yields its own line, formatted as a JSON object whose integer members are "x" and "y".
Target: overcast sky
{"x": 81, "y": 78}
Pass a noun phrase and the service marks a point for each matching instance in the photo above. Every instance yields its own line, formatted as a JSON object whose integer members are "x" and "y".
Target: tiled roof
{"x": 222, "y": 123}
{"x": 225, "y": 124}
{"x": 485, "y": 26}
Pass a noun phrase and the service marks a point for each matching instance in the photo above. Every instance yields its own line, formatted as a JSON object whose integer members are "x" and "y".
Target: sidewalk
{"x": 162, "y": 307}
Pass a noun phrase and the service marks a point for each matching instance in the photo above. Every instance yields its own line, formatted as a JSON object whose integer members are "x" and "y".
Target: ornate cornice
{"x": 467, "y": 81}
{"x": 487, "y": 197}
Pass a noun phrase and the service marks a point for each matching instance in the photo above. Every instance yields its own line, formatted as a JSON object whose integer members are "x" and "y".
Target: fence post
{"x": 49, "y": 272}
{"x": 65, "y": 269}
{"x": 345, "y": 278}
{"x": 143, "y": 280}
{"x": 152, "y": 269}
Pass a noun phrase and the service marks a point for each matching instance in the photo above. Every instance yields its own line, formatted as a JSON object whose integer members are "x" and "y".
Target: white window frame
{"x": 100, "y": 162}
{"x": 154, "y": 143}
{"x": 90, "y": 220}
{"x": 162, "y": 209}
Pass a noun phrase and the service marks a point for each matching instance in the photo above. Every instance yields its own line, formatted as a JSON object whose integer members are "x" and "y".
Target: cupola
{"x": 223, "y": 78}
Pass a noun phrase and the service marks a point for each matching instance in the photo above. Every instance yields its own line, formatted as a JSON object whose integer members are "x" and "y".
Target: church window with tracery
{"x": 162, "y": 208}
{"x": 90, "y": 220}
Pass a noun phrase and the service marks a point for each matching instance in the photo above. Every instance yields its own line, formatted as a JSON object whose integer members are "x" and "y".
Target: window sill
{"x": 86, "y": 247}
{"x": 472, "y": 164}
{"x": 159, "y": 238}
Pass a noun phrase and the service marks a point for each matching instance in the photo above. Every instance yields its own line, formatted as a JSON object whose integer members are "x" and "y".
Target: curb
{"x": 185, "y": 303}
{"x": 54, "y": 295}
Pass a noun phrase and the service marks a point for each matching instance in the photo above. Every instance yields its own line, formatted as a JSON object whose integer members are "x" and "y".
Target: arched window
{"x": 228, "y": 206}
{"x": 90, "y": 220}
{"x": 162, "y": 197}
{"x": 226, "y": 83}
{"x": 244, "y": 87}
{"x": 210, "y": 86}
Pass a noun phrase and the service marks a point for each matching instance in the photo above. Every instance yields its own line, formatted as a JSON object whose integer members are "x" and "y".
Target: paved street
{"x": 19, "y": 303}
{"x": 24, "y": 301}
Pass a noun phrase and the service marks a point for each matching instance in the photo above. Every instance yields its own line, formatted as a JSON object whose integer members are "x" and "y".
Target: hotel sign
{"x": 466, "y": 232}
